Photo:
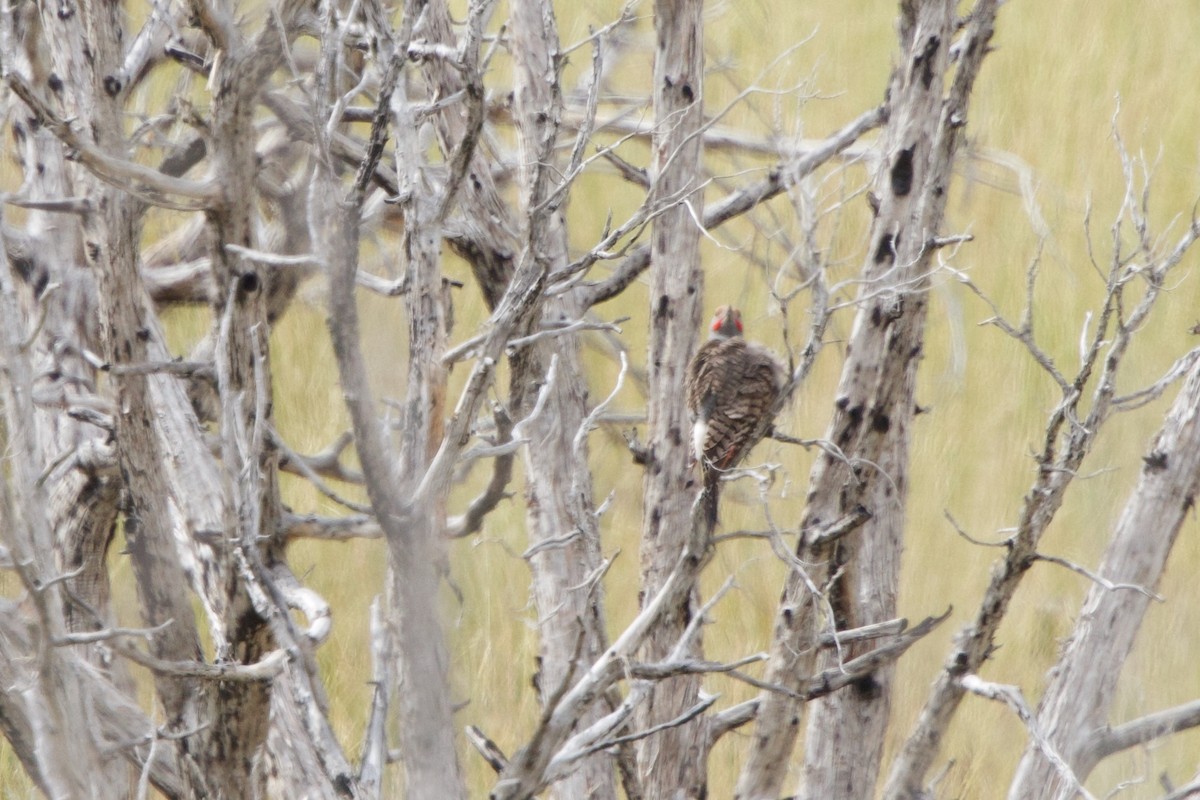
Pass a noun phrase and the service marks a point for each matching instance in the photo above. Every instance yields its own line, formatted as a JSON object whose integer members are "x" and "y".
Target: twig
{"x": 577, "y": 325}
{"x": 80, "y": 206}
{"x": 298, "y": 465}
{"x": 837, "y": 529}
{"x": 961, "y": 532}
{"x": 490, "y": 751}
{"x": 682, "y": 719}
{"x": 373, "y": 283}
{"x": 1184, "y": 792}
{"x": 670, "y": 669}
{"x": 891, "y": 627}
{"x": 593, "y": 418}
{"x": 837, "y": 677}
{"x": 105, "y": 634}
{"x": 732, "y": 718}
{"x": 496, "y": 490}
{"x": 327, "y": 462}
{"x": 1012, "y": 697}
{"x": 266, "y": 669}
{"x": 779, "y": 179}
{"x": 335, "y": 529}
{"x": 117, "y": 171}
{"x": 1181, "y": 367}
{"x": 184, "y": 369}
{"x": 1097, "y": 578}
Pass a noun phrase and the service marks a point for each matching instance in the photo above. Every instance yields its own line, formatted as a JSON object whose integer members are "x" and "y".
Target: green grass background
{"x": 1047, "y": 96}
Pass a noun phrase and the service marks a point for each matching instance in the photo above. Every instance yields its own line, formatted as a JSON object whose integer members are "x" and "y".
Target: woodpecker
{"x": 732, "y": 385}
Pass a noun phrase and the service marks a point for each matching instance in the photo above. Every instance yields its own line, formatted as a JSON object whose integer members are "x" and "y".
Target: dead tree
{"x": 564, "y": 532}
{"x": 349, "y": 139}
{"x": 675, "y": 759}
{"x": 1074, "y": 712}
{"x": 854, "y": 578}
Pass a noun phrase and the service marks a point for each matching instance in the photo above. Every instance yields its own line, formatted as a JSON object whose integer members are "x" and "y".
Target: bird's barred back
{"x": 732, "y": 386}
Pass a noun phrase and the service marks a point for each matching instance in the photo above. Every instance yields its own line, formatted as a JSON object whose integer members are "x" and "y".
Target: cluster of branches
{"x": 320, "y": 122}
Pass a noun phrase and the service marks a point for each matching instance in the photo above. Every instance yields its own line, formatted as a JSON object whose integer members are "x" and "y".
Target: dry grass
{"x": 1047, "y": 96}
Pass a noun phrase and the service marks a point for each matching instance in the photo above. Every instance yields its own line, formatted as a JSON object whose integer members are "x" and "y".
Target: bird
{"x": 732, "y": 385}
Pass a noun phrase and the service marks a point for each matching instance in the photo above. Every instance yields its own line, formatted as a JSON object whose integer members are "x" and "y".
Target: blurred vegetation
{"x": 1048, "y": 97}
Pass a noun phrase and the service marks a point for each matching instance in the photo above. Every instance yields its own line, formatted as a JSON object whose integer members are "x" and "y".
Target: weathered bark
{"x": 239, "y": 712}
{"x": 674, "y": 760}
{"x": 873, "y": 412}
{"x": 1074, "y": 711}
{"x": 1069, "y": 438}
{"x": 84, "y": 53}
{"x": 63, "y": 755}
{"x": 435, "y": 775}
{"x": 483, "y": 231}
{"x": 876, "y": 403}
{"x": 120, "y": 726}
{"x": 83, "y": 490}
{"x": 564, "y": 535}
{"x": 409, "y": 517}
{"x": 210, "y": 521}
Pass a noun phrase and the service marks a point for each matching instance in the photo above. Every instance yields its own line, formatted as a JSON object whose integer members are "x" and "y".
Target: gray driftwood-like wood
{"x": 673, "y": 760}
{"x": 1074, "y": 711}
{"x": 83, "y": 50}
{"x": 411, "y": 520}
{"x": 854, "y": 579}
{"x": 564, "y": 534}
{"x": 1069, "y": 437}
{"x": 83, "y": 490}
{"x": 292, "y": 134}
{"x": 59, "y": 756}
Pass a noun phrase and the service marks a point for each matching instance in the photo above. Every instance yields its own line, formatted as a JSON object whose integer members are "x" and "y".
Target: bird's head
{"x": 726, "y": 323}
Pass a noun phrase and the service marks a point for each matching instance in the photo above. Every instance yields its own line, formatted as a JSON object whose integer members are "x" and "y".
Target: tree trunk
{"x": 1074, "y": 710}
{"x": 83, "y": 492}
{"x": 63, "y": 755}
{"x": 872, "y": 416}
{"x": 875, "y": 408}
{"x": 240, "y": 711}
{"x": 673, "y": 763}
{"x": 431, "y": 763}
{"x": 564, "y": 535}
{"x": 85, "y": 52}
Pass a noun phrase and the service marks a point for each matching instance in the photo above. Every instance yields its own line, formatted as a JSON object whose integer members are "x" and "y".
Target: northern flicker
{"x": 731, "y": 387}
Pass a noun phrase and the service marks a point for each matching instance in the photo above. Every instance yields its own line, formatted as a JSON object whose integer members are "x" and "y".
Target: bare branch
{"x": 490, "y": 751}
{"x": 108, "y": 633}
{"x": 783, "y": 176}
{"x": 65, "y": 205}
{"x": 267, "y": 669}
{"x": 1012, "y": 697}
{"x": 891, "y": 627}
{"x": 327, "y": 462}
{"x": 374, "y": 752}
{"x": 178, "y": 367}
{"x": 687, "y": 716}
{"x": 496, "y": 490}
{"x": 311, "y": 526}
{"x": 732, "y": 718}
{"x": 1097, "y": 578}
{"x": 124, "y": 174}
{"x": 1108, "y": 741}
{"x": 1178, "y": 370}
{"x": 299, "y": 465}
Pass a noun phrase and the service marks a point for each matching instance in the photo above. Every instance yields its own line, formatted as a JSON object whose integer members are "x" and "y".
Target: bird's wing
{"x": 706, "y": 376}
